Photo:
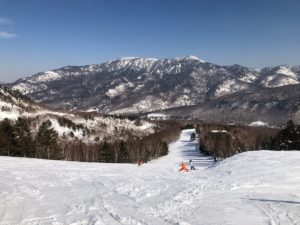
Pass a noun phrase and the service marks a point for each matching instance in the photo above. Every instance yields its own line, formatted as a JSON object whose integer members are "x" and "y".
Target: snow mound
{"x": 191, "y": 57}
{"x": 258, "y": 124}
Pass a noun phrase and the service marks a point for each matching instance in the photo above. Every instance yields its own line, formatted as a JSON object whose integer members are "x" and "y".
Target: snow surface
{"x": 228, "y": 87}
{"x": 258, "y": 124}
{"x": 191, "y": 57}
{"x": 8, "y": 115}
{"x": 48, "y": 76}
{"x": 278, "y": 81}
{"x": 156, "y": 115}
{"x": 260, "y": 187}
{"x": 219, "y": 131}
{"x": 11, "y": 113}
{"x": 248, "y": 78}
{"x": 286, "y": 71}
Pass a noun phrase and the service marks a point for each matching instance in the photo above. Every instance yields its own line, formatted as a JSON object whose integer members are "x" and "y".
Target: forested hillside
{"x": 223, "y": 141}
{"x": 28, "y": 129}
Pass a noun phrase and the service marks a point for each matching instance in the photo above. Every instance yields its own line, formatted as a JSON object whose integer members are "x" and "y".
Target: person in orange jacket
{"x": 183, "y": 167}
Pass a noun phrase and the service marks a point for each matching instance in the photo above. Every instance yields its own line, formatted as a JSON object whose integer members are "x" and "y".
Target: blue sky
{"x": 37, "y": 35}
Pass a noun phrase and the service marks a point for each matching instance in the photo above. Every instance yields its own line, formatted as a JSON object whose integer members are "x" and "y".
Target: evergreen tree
{"x": 47, "y": 142}
{"x": 8, "y": 141}
{"x": 165, "y": 149}
{"x": 124, "y": 155}
{"x": 290, "y": 125}
{"x": 137, "y": 122}
{"x": 25, "y": 144}
{"x": 289, "y": 137}
{"x": 105, "y": 154}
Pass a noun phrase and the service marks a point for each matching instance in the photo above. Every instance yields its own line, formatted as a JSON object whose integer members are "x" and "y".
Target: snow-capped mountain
{"x": 272, "y": 105}
{"x": 134, "y": 85}
{"x": 279, "y": 76}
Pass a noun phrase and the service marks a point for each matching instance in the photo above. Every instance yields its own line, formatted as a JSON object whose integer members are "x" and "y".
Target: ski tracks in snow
{"x": 240, "y": 190}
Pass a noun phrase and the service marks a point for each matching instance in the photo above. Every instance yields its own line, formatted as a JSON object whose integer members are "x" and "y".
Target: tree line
{"x": 222, "y": 141}
{"x": 17, "y": 139}
{"x": 132, "y": 150}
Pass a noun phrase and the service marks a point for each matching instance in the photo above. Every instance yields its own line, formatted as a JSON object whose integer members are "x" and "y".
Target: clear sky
{"x": 37, "y": 35}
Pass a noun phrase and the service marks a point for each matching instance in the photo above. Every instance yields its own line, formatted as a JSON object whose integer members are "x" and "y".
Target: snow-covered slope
{"x": 13, "y": 104}
{"x": 259, "y": 187}
{"x": 279, "y": 76}
{"x": 77, "y": 126}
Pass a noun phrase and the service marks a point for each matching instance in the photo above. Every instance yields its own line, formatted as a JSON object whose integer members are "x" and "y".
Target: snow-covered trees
{"x": 218, "y": 144}
{"x": 57, "y": 137}
{"x": 131, "y": 150}
{"x": 237, "y": 139}
{"x": 223, "y": 141}
{"x": 105, "y": 153}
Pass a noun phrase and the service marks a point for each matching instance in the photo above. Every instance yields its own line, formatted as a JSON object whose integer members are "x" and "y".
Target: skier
{"x": 183, "y": 167}
{"x": 192, "y": 165}
{"x": 193, "y": 137}
{"x": 215, "y": 160}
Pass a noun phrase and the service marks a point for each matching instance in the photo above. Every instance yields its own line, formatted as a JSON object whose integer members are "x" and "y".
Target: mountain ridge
{"x": 139, "y": 85}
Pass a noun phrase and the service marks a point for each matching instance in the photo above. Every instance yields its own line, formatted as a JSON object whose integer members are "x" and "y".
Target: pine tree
{"x": 289, "y": 137}
{"x": 8, "y": 140}
{"x": 25, "y": 144}
{"x": 47, "y": 142}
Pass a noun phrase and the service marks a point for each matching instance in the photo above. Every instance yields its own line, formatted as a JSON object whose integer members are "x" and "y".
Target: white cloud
{"x": 7, "y": 35}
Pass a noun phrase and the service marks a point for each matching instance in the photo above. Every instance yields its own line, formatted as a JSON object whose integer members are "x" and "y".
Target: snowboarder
{"x": 192, "y": 165}
{"x": 183, "y": 167}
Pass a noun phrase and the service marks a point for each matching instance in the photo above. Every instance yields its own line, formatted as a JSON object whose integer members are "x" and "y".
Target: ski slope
{"x": 260, "y": 187}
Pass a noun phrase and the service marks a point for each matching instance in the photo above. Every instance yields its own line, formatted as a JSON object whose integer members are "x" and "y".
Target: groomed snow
{"x": 259, "y": 187}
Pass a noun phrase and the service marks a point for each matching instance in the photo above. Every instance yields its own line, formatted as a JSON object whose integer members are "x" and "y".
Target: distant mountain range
{"x": 180, "y": 86}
